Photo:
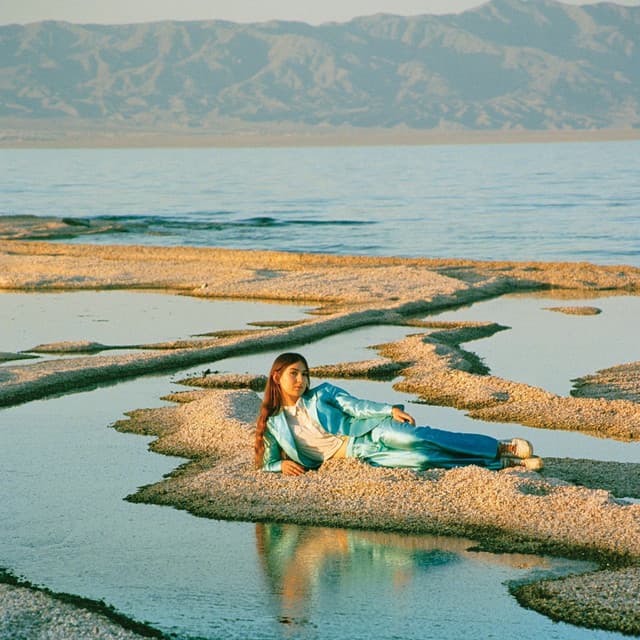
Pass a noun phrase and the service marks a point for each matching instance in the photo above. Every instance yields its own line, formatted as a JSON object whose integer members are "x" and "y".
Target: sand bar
{"x": 571, "y": 509}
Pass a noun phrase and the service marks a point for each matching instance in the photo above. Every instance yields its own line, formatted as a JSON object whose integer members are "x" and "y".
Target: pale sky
{"x": 311, "y": 11}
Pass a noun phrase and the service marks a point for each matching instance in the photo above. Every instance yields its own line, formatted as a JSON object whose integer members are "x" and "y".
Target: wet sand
{"x": 27, "y": 612}
{"x": 574, "y": 508}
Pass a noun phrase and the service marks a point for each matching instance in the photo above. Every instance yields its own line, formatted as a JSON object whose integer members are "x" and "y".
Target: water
{"x": 519, "y": 353}
{"x": 97, "y": 317}
{"x": 550, "y": 349}
{"x": 200, "y": 578}
{"x": 561, "y": 201}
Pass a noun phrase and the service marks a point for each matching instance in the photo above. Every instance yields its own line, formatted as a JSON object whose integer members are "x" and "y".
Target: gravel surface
{"x": 31, "y": 614}
{"x": 573, "y": 508}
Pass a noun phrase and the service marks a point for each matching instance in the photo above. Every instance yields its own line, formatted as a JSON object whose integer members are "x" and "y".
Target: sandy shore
{"x": 28, "y": 613}
{"x": 27, "y": 134}
{"x": 574, "y": 508}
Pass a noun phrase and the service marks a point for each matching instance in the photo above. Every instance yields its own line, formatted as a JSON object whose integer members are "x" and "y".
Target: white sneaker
{"x": 516, "y": 448}
{"x": 532, "y": 463}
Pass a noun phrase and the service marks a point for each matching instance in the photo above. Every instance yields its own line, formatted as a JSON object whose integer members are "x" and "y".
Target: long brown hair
{"x": 272, "y": 401}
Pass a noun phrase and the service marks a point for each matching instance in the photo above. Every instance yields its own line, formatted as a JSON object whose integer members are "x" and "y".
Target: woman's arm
{"x": 276, "y": 460}
{"x": 272, "y": 460}
{"x": 359, "y": 408}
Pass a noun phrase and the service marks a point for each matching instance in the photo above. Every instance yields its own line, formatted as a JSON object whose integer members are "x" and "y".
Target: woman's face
{"x": 293, "y": 382}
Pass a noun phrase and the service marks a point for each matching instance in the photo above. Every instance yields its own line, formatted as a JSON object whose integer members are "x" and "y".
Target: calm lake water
{"x": 64, "y": 523}
{"x": 64, "y": 474}
{"x": 562, "y": 201}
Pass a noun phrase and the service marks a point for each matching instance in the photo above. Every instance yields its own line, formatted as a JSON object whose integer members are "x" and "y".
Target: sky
{"x": 311, "y": 11}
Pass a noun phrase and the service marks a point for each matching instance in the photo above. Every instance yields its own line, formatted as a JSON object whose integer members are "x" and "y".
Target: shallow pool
{"x": 64, "y": 524}
{"x": 549, "y": 349}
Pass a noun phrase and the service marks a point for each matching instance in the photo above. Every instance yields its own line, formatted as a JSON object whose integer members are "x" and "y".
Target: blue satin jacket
{"x": 337, "y": 411}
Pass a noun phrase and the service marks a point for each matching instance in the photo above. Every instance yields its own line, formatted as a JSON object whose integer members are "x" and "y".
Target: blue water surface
{"x": 557, "y": 201}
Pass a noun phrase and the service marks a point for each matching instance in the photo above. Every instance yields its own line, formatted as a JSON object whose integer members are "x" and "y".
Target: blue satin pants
{"x": 398, "y": 444}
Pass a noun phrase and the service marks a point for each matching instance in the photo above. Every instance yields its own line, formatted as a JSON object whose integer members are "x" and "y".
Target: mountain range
{"x": 505, "y": 65}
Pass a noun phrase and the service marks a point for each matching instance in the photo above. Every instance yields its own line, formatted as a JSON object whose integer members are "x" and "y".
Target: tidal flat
{"x": 579, "y": 507}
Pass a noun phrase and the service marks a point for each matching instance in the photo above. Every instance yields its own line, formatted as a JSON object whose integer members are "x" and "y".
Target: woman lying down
{"x": 300, "y": 427}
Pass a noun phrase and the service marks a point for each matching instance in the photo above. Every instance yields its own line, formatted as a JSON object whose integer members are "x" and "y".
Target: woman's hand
{"x": 402, "y": 416}
{"x": 291, "y": 468}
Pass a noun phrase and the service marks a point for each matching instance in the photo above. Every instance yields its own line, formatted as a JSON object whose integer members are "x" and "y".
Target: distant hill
{"x": 509, "y": 64}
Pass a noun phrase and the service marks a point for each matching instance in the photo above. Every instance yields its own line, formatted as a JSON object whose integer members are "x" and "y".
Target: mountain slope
{"x": 507, "y": 64}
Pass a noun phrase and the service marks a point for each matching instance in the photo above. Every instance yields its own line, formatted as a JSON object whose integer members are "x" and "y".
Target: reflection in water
{"x": 307, "y": 566}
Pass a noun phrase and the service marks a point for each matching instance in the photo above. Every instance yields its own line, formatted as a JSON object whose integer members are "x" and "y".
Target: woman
{"x": 301, "y": 427}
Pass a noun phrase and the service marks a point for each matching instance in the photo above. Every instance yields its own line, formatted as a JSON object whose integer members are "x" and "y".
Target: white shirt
{"x": 310, "y": 437}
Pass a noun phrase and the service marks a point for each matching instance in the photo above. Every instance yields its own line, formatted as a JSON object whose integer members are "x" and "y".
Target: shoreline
{"x": 79, "y": 139}
{"x": 508, "y": 510}
{"x": 44, "y": 613}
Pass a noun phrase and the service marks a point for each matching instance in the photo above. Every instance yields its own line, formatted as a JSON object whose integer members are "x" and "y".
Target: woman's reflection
{"x": 306, "y": 564}
{"x": 301, "y": 562}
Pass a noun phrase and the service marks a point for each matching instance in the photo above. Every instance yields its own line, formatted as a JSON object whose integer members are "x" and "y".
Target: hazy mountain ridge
{"x": 507, "y": 64}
